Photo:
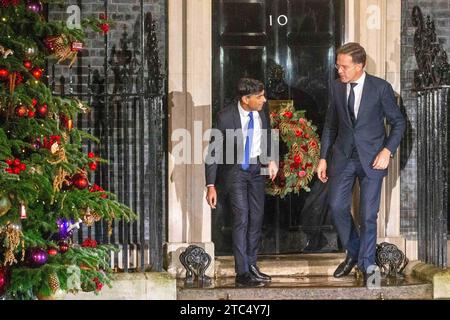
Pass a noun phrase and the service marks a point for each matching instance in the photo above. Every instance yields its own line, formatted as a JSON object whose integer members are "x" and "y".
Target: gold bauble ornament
{"x": 5, "y": 204}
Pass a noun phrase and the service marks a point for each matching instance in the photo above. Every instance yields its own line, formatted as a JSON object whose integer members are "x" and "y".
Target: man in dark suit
{"x": 355, "y": 135}
{"x": 240, "y": 144}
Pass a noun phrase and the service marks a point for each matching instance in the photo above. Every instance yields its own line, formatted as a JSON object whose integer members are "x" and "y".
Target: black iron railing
{"x": 431, "y": 81}
{"x": 128, "y": 115}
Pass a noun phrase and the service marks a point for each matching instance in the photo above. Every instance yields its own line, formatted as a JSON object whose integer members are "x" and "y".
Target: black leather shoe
{"x": 345, "y": 267}
{"x": 248, "y": 280}
{"x": 254, "y": 270}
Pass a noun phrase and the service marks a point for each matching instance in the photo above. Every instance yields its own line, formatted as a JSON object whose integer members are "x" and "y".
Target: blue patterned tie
{"x": 248, "y": 143}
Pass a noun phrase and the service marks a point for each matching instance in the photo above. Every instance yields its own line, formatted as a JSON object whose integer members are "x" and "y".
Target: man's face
{"x": 347, "y": 70}
{"x": 255, "y": 102}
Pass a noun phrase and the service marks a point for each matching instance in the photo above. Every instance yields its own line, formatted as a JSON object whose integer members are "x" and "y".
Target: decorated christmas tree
{"x": 45, "y": 193}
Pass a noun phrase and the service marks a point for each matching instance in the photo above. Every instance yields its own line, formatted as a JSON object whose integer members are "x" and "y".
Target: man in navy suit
{"x": 233, "y": 166}
{"x": 354, "y": 140}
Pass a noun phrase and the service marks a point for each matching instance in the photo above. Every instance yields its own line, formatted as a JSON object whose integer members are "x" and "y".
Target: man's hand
{"x": 322, "y": 170}
{"x": 211, "y": 197}
{"x": 382, "y": 160}
{"x": 273, "y": 170}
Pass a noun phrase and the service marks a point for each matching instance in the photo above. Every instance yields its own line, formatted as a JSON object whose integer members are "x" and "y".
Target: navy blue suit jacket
{"x": 378, "y": 103}
{"x": 229, "y": 118}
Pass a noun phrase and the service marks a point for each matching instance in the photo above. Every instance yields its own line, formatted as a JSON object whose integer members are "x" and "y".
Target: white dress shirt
{"x": 257, "y": 125}
{"x": 358, "y": 89}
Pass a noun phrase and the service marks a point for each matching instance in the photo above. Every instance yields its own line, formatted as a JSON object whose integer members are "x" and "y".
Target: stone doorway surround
{"x": 376, "y": 24}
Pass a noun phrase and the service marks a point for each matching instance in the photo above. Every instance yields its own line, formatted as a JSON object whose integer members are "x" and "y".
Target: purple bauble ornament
{"x": 34, "y": 6}
{"x": 63, "y": 228}
{"x": 38, "y": 257}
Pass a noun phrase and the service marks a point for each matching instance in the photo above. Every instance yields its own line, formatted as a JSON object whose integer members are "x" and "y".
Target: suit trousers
{"x": 360, "y": 246}
{"x": 246, "y": 196}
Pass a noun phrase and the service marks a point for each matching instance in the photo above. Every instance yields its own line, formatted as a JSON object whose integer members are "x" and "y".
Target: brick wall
{"x": 126, "y": 17}
{"x": 439, "y": 11}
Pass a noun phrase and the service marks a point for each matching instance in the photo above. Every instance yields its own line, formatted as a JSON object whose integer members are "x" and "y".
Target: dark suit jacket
{"x": 377, "y": 104}
{"x": 229, "y": 118}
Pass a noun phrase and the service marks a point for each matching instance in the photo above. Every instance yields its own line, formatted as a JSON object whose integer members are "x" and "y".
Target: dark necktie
{"x": 248, "y": 143}
{"x": 351, "y": 103}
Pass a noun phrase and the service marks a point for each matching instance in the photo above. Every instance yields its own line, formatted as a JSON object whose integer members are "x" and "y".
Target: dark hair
{"x": 355, "y": 50}
{"x": 248, "y": 86}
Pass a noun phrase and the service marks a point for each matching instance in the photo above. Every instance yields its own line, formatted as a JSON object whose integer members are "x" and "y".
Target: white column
{"x": 190, "y": 112}
{"x": 376, "y": 25}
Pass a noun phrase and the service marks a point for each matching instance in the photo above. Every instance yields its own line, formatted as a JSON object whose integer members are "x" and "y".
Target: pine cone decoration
{"x": 61, "y": 48}
{"x": 53, "y": 282}
{"x": 56, "y": 44}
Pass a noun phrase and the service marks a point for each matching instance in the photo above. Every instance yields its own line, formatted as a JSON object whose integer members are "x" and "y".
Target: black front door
{"x": 290, "y": 45}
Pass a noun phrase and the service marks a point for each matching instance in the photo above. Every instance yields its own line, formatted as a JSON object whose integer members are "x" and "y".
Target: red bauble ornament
{"x": 36, "y": 72}
{"x": 31, "y": 114}
{"x": 80, "y": 181}
{"x": 104, "y": 27}
{"x": 288, "y": 114}
{"x": 34, "y": 102}
{"x": 52, "y": 252}
{"x": 63, "y": 246}
{"x": 27, "y": 64}
{"x": 21, "y": 111}
{"x": 91, "y": 155}
{"x": 4, "y": 73}
{"x": 42, "y": 110}
{"x": 93, "y": 166}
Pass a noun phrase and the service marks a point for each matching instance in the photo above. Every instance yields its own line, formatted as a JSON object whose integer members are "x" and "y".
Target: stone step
{"x": 311, "y": 264}
{"x": 310, "y": 288}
